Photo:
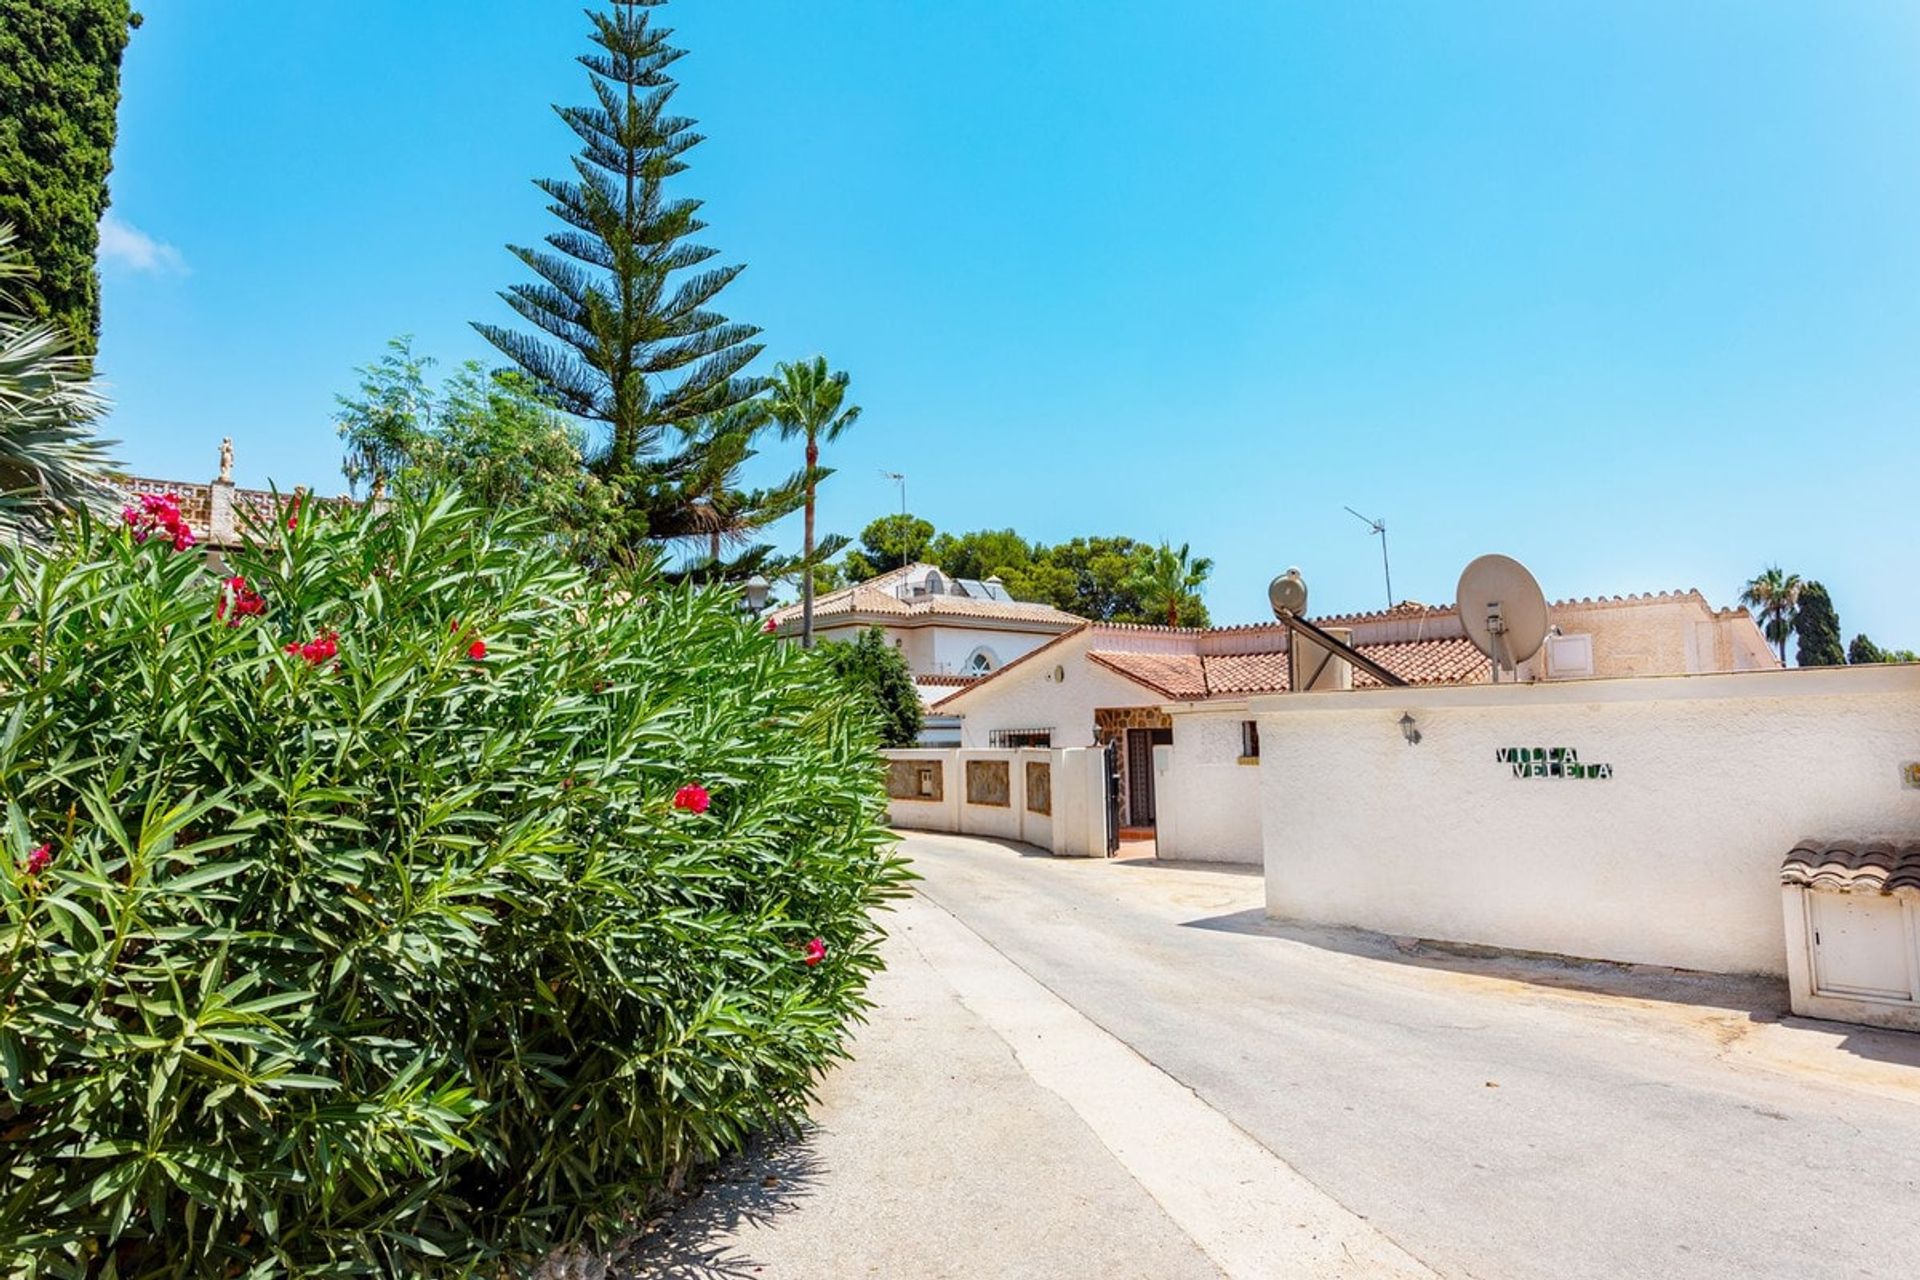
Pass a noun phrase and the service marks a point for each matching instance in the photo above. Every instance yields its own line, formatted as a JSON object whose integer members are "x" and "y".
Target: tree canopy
{"x": 1818, "y": 626}
{"x": 1774, "y": 596}
{"x": 876, "y": 674}
{"x": 1094, "y": 577}
{"x": 59, "y": 95}
{"x": 1171, "y": 580}
{"x": 490, "y": 432}
{"x": 888, "y": 543}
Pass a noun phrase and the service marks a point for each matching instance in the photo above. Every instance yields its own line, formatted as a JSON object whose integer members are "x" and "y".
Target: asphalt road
{"x": 1493, "y": 1118}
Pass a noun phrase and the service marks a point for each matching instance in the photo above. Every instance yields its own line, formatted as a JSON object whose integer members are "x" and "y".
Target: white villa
{"x": 952, "y": 631}
{"x": 1178, "y": 699}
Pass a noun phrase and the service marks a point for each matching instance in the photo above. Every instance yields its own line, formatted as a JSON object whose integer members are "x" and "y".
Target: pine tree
{"x": 1818, "y": 627}
{"x": 628, "y": 339}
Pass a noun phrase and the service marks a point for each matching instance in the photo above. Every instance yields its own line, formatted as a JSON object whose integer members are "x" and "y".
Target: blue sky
{"x": 1630, "y": 291}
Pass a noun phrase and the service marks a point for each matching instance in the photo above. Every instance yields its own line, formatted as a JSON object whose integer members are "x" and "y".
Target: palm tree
{"x": 50, "y": 459}
{"x": 810, "y": 402}
{"x": 1167, "y": 579}
{"x": 1775, "y": 596}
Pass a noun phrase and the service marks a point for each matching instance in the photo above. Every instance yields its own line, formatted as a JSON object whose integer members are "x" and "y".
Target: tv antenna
{"x": 1379, "y": 527}
{"x": 1503, "y": 610}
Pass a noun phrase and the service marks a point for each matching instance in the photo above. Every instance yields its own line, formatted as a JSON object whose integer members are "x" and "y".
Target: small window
{"x": 1249, "y": 740}
{"x": 980, "y": 662}
{"x": 1011, "y": 738}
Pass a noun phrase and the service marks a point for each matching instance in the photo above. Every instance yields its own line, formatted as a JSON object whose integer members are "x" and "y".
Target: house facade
{"x": 952, "y": 631}
{"x": 1176, "y": 701}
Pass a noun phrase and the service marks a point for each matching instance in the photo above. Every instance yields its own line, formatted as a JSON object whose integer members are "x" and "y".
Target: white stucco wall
{"x": 927, "y": 815}
{"x": 1075, "y": 827}
{"x": 953, "y": 646}
{"x": 1208, "y": 803}
{"x": 1673, "y": 860}
{"x": 1026, "y": 698}
{"x": 992, "y": 819}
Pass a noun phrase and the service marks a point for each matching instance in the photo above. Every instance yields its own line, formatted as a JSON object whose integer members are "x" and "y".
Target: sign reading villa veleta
{"x": 1549, "y": 762}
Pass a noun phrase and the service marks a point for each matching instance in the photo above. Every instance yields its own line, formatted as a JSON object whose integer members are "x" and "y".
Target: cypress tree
{"x": 1818, "y": 627}
{"x": 59, "y": 98}
{"x": 628, "y": 339}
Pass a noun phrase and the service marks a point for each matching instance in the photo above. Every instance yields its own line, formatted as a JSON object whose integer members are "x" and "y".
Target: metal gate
{"x": 1113, "y": 798}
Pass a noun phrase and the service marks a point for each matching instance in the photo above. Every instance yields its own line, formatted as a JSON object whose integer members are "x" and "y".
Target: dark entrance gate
{"x": 1140, "y": 744}
{"x": 1113, "y": 798}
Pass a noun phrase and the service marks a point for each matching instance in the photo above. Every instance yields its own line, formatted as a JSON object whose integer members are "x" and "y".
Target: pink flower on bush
{"x": 39, "y": 859}
{"x": 771, "y": 626}
{"x": 477, "y": 650}
{"x": 238, "y": 600}
{"x": 320, "y": 649}
{"x": 293, "y": 520}
{"x": 158, "y": 513}
{"x": 692, "y": 798}
{"x": 816, "y": 951}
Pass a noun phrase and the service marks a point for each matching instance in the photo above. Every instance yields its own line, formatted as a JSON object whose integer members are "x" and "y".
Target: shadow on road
{"x": 1762, "y": 999}
{"x": 773, "y": 1177}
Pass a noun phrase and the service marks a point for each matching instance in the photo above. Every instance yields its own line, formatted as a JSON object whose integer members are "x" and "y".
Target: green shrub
{"x": 408, "y": 951}
{"x": 876, "y": 677}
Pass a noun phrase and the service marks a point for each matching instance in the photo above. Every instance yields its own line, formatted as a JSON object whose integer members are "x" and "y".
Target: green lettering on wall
{"x": 1549, "y": 762}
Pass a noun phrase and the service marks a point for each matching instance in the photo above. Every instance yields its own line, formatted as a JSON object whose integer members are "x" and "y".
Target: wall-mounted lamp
{"x": 1409, "y": 729}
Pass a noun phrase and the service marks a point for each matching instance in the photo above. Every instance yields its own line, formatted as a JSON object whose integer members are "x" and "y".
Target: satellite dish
{"x": 1503, "y": 610}
{"x": 1288, "y": 594}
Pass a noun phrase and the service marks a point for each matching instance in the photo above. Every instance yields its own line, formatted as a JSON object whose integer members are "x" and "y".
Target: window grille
{"x": 1007, "y": 738}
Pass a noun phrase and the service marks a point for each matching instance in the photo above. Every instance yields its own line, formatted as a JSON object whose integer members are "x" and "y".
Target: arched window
{"x": 980, "y": 662}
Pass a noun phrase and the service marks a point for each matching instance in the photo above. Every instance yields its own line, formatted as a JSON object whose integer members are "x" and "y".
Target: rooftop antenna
{"x": 1379, "y": 527}
{"x": 900, "y": 478}
{"x": 1503, "y": 610}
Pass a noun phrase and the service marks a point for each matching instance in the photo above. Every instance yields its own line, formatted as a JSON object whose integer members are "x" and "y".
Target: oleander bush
{"x": 403, "y": 902}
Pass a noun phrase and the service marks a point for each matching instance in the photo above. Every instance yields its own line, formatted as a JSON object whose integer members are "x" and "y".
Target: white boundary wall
{"x": 1075, "y": 827}
{"x": 1672, "y": 860}
{"x": 1207, "y": 803}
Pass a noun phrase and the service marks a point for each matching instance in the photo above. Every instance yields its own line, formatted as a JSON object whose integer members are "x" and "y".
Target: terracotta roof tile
{"x": 1241, "y": 673}
{"x": 1854, "y": 866}
{"x": 1454, "y": 661}
{"x": 1176, "y": 675}
{"x": 1191, "y": 677}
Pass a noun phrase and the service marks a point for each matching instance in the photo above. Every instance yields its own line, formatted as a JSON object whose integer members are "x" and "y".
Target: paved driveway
{"x": 1494, "y": 1119}
{"x": 1123, "y": 1069}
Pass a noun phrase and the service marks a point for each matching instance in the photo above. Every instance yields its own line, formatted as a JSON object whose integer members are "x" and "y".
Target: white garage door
{"x": 1863, "y": 945}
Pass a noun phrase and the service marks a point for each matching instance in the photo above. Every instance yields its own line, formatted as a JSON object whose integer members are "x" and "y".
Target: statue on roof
{"x": 226, "y": 461}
